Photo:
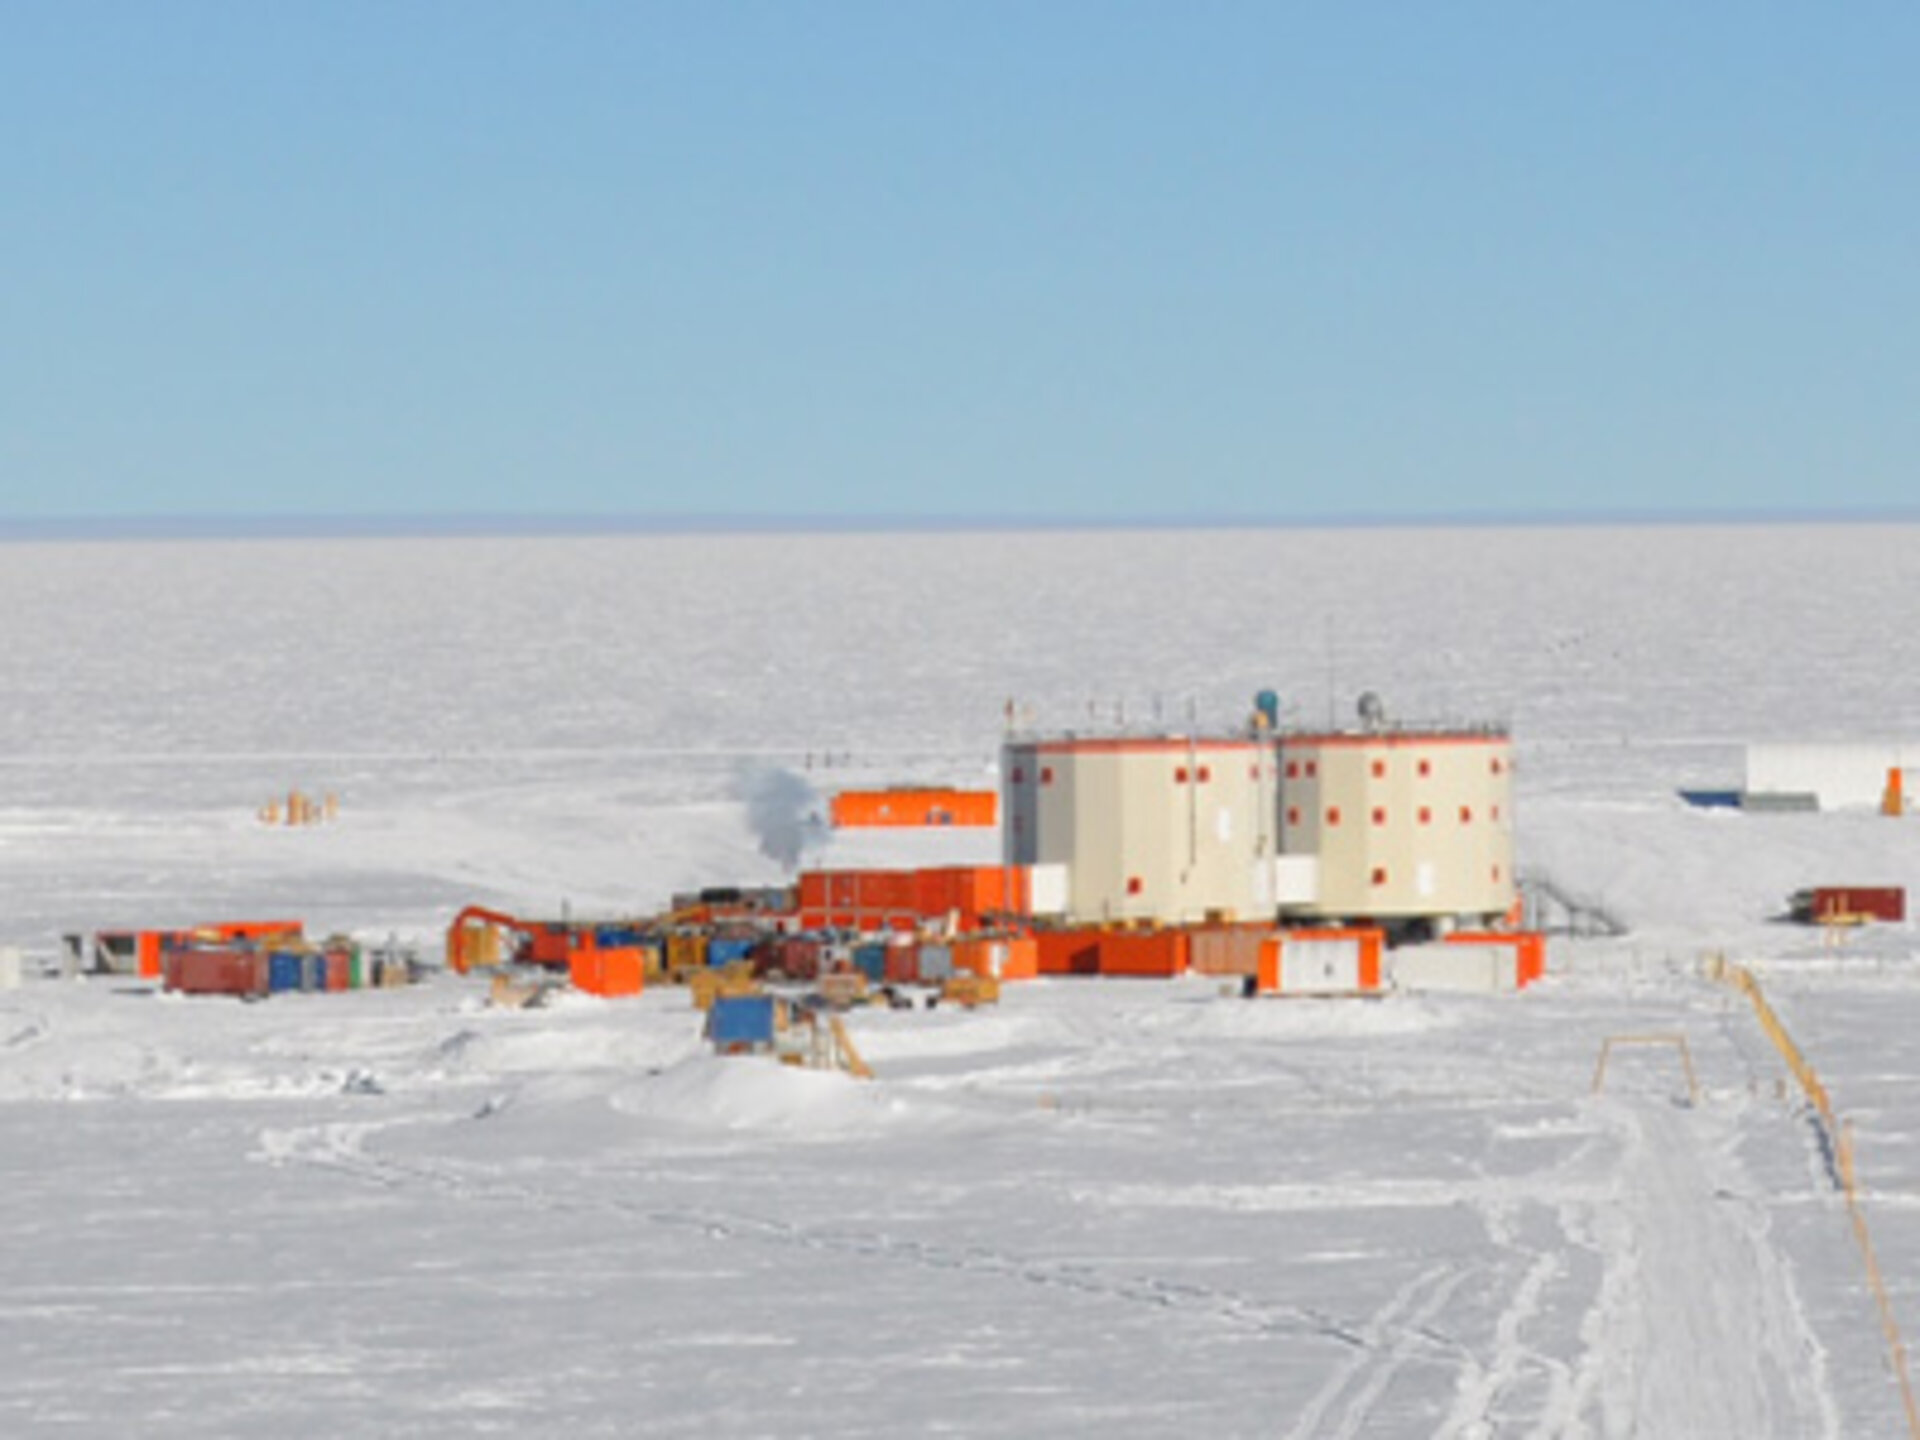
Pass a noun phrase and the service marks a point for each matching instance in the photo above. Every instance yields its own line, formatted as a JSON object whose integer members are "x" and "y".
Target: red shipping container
{"x": 931, "y": 894}
{"x": 799, "y": 958}
{"x": 1850, "y": 902}
{"x": 215, "y": 971}
{"x": 339, "y": 970}
{"x": 903, "y": 964}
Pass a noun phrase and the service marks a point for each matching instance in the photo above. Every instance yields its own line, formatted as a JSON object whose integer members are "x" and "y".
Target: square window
{"x": 1133, "y": 885}
{"x": 1379, "y": 769}
{"x": 1313, "y": 769}
{"x": 1046, "y": 775}
{"x": 1293, "y": 815}
{"x": 1333, "y": 815}
{"x": 1293, "y": 769}
{"x": 1379, "y": 815}
{"x": 1426, "y": 815}
{"x": 1206, "y": 774}
{"x": 1425, "y": 768}
{"x": 1180, "y": 775}
{"x": 1018, "y": 774}
{"x": 1466, "y": 815}
{"x": 1379, "y": 875}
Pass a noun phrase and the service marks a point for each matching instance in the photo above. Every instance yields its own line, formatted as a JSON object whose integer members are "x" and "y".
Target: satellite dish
{"x": 1373, "y": 713}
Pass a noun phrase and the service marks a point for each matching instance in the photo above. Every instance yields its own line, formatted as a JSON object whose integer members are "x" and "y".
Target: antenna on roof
{"x": 1331, "y": 687}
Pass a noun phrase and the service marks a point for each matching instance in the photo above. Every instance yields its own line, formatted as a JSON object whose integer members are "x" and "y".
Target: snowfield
{"x": 1103, "y": 1207}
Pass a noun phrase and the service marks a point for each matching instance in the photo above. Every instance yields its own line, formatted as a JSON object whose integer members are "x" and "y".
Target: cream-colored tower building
{"x": 1172, "y": 828}
{"x": 1407, "y": 824}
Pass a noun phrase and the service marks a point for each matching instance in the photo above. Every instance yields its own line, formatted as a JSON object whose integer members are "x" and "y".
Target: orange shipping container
{"x": 813, "y": 890}
{"x": 608, "y": 973}
{"x": 1156, "y": 953}
{"x": 257, "y": 929}
{"x": 998, "y": 958}
{"x": 1067, "y": 952}
{"x": 915, "y": 807}
{"x": 1022, "y": 959}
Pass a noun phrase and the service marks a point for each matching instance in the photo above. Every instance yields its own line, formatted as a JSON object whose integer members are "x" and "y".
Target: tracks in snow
{"x": 1389, "y": 1338}
{"x": 1697, "y": 1329}
{"x": 1383, "y": 1342}
{"x": 1694, "y": 1326}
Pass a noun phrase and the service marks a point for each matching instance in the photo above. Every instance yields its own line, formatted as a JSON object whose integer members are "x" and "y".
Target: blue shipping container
{"x": 284, "y": 970}
{"x": 871, "y": 961}
{"x": 724, "y": 950}
{"x": 743, "y": 1022}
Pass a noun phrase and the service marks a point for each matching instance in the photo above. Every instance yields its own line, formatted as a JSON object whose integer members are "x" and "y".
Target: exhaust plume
{"x": 784, "y": 813}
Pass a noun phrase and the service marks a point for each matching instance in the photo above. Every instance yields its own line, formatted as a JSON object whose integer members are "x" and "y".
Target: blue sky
{"x": 1100, "y": 260}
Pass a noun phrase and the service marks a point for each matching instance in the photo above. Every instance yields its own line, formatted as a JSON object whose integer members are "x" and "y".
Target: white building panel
{"x": 1320, "y": 967}
{"x": 1296, "y": 879}
{"x": 1047, "y": 889}
{"x": 1838, "y": 776}
{"x": 1480, "y": 969}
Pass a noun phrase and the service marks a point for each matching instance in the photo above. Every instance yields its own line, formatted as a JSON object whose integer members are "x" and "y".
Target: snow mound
{"x": 756, "y": 1094}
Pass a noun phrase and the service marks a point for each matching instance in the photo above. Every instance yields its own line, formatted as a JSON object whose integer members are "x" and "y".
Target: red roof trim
{"x": 1149, "y": 746}
{"x": 1398, "y": 740}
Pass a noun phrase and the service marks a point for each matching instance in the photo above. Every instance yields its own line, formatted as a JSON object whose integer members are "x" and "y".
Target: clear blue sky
{"x": 1034, "y": 259}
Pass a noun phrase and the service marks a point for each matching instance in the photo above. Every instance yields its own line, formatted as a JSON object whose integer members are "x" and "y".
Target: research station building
{"x": 1410, "y": 828}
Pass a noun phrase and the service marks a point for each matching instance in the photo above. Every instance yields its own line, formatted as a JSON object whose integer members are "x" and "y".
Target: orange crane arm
{"x": 457, "y": 938}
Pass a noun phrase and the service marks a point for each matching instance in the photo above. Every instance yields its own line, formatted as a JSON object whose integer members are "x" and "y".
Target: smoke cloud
{"x": 785, "y": 814}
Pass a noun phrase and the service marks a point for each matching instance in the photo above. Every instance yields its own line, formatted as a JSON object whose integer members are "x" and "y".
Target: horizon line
{"x": 511, "y": 525}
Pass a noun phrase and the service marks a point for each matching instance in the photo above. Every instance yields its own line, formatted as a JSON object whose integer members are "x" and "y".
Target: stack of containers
{"x": 873, "y": 901}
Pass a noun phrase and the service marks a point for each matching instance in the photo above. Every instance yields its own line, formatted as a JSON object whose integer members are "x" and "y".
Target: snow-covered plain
{"x": 1133, "y": 1209}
